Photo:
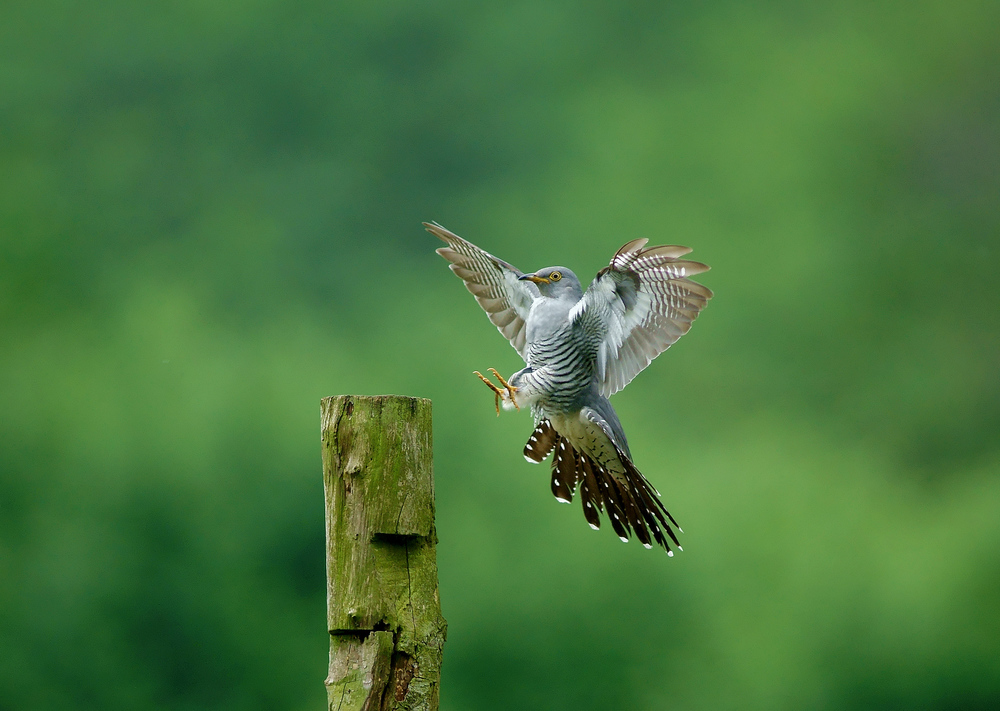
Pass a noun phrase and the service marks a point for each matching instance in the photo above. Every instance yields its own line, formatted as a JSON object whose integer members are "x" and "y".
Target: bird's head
{"x": 555, "y": 282}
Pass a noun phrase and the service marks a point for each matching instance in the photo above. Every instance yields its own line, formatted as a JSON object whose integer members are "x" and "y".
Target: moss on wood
{"x": 383, "y": 611}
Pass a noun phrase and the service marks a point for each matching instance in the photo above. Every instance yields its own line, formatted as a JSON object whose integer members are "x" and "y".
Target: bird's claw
{"x": 504, "y": 393}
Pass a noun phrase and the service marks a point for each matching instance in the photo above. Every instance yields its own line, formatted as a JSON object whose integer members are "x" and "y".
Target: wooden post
{"x": 386, "y": 629}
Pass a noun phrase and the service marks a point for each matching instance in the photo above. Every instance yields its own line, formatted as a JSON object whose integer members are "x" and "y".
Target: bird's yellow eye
{"x": 555, "y": 276}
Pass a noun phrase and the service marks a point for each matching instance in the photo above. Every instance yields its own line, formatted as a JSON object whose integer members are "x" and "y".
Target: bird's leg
{"x": 510, "y": 388}
{"x": 499, "y": 392}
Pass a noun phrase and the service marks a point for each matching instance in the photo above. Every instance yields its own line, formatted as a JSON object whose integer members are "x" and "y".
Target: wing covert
{"x": 638, "y": 306}
{"x": 492, "y": 281}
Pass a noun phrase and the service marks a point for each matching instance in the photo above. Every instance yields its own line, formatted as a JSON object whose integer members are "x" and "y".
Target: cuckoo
{"x": 581, "y": 347}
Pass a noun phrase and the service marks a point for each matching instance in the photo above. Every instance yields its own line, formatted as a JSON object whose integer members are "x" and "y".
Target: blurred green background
{"x": 210, "y": 219}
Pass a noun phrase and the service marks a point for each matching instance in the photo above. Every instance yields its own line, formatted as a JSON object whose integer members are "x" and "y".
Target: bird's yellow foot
{"x": 510, "y": 389}
{"x": 491, "y": 386}
{"x": 504, "y": 393}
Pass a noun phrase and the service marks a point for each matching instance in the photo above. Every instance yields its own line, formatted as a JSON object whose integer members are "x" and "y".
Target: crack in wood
{"x": 362, "y": 634}
{"x": 409, "y": 589}
{"x": 378, "y": 458}
{"x": 404, "y": 670}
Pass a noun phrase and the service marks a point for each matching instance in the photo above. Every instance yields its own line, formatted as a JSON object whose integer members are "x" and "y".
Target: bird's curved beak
{"x": 534, "y": 278}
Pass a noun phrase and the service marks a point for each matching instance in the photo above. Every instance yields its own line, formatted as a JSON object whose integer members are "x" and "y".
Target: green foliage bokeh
{"x": 209, "y": 219}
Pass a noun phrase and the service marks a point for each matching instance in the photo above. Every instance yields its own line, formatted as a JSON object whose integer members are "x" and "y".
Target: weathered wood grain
{"x": 383, "y": 611}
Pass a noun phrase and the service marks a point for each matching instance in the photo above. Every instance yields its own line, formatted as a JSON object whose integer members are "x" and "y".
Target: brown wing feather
{"x": 492, "y": 281}
{"x": 640, "y": 305}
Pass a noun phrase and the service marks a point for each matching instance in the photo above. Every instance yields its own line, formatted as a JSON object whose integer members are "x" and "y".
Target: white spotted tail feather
{"x": 631, "y": 503}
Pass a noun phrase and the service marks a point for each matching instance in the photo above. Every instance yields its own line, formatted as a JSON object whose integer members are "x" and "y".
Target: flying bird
{"x": 579, "y": 349}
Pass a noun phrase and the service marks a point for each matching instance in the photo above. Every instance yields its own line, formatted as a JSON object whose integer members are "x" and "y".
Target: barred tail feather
{"x": 566, "y": 471}
{"x": 631, "y": 503}
{"x": 590, "y": 495}
{"x": 541, "y": 443}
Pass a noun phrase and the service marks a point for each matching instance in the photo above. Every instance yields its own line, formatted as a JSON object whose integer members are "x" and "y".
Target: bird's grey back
{"x": 603, "y": 407}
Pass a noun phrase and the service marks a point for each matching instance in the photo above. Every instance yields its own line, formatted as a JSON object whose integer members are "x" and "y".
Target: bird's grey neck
{"x": 568, "y": 289}
{"x": 549, "y": 314}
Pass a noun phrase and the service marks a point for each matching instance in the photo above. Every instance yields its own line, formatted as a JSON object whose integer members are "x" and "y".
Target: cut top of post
{"x": 383, "y": 610}
{"x": 383, "y": 444}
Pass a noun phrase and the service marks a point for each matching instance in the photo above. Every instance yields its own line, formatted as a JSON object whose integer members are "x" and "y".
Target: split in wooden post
{"x": 386, "y": 629}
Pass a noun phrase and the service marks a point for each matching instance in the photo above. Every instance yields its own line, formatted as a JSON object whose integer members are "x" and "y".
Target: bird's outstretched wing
{"x": 492, "y": 281}
{"x": 639, "y": 306}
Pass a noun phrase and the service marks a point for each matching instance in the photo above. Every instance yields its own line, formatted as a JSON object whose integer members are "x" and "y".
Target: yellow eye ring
{"x": 555, "y": 276}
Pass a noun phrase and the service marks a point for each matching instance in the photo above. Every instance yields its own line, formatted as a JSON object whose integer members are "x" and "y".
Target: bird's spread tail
{"x": 631, "y": 503}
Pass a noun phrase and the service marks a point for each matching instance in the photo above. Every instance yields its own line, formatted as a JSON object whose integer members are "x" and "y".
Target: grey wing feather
{"x": 492, "y": 281}
{"x": 639, "y": 306}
